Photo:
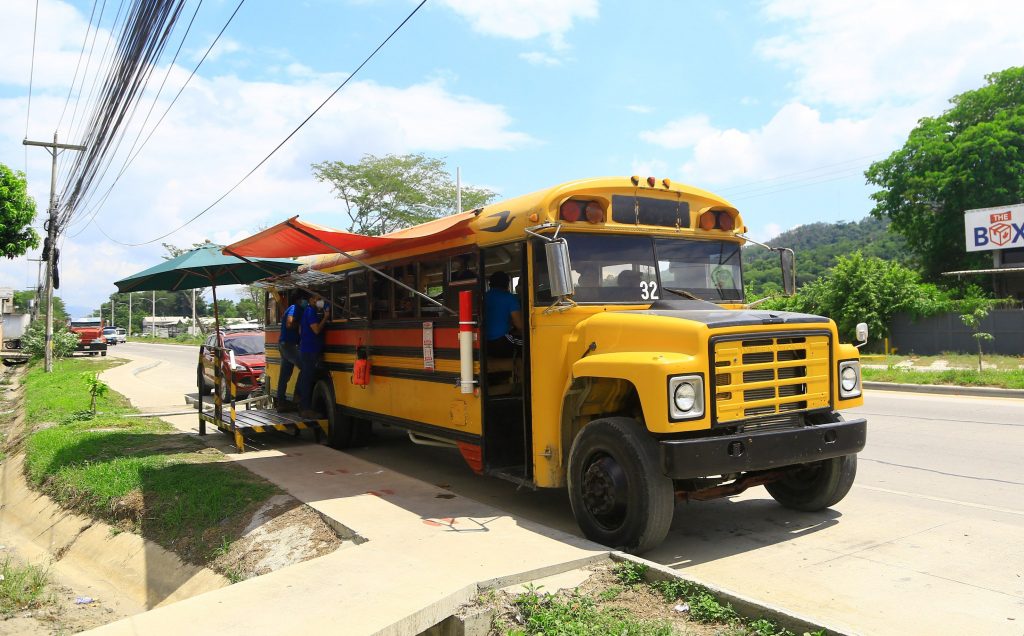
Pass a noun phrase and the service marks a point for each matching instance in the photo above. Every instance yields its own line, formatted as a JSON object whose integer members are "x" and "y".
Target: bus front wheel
{"x": 618, "y": 494}
{"x": 815, "y": 486}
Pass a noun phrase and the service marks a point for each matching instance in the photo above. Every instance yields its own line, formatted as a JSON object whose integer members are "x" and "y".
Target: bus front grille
{"x": 770, "y": 376}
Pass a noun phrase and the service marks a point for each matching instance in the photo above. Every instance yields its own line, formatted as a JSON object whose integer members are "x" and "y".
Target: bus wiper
{"x": 681, "y": 292}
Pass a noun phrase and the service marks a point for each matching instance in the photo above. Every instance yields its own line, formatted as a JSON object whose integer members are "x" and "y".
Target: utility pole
{"x": 51, "y": 233}
{"x": 129, "y": 331}
{"x": 154, "y": 314}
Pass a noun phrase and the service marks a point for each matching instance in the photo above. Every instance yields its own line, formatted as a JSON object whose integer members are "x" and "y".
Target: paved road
{"x": 928, "y": 541}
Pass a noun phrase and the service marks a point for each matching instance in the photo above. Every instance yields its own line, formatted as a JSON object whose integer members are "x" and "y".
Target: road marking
{"x": 942, "y": 500}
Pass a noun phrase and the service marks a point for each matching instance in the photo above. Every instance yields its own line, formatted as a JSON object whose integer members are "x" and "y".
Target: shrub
{"x": 34, "y": 340}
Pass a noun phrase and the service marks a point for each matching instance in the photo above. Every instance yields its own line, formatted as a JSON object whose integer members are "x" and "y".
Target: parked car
{"x": 115, "y": 335}
{"x": 250, "y": 362}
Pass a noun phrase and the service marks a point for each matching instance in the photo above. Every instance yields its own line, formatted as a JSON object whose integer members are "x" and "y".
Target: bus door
{"x": 504, "y": 368}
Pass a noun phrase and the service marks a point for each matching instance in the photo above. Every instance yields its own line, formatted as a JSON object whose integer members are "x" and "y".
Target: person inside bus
{"x": 311, "y": 344}
{"x": 288, "y": 345}
{"x": 503, "y": 314}
{"x": 464, "y": 269}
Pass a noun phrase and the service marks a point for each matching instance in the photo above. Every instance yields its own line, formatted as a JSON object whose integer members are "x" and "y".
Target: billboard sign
{"x": 994, "y": 228}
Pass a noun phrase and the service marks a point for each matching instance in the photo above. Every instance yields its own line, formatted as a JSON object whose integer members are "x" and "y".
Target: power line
{"x": 131, "y": 159}
{"x": 83, "y": 202}
{"x": 31, "y": 74}
{"x": 78, "y": 64}
{"x": 781, "y": 177}
{"x": 278, "y": 147}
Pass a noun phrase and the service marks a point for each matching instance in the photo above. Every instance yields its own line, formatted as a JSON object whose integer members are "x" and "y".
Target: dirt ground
{"x": 59, "y": 613}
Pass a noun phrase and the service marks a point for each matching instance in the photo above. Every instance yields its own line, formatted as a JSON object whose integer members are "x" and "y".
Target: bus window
{"x": 358, "y": 303}
{"x": 463, "y": 277}
{"x": 339, "y": 300}
{"x": 431, "y": 283}
{"x": 404, "y": 300}
{"x": 380, "y": 295}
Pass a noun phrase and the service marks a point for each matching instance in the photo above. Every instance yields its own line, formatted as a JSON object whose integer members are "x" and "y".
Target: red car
{"x": 250, "y": 362}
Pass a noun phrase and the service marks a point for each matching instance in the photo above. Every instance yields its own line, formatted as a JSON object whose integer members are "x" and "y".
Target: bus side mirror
{"x": 862, "y": 333}
{"x": 787, "y": 259}
{"x": 559, "y": 268}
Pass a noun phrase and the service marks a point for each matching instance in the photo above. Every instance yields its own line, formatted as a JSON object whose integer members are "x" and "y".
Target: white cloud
{"x": 796, "y": 140}
{"x": 224, "y": 46}
{"x": 639, "y": 109}
{"x": 219, "y": 129}
{"x": 649, "y": 167}
{"x": 538, "y": 58}
{"x": 525, "y": 19}
{"x": 680, "y": 133}
{"x": 855, "y": 56}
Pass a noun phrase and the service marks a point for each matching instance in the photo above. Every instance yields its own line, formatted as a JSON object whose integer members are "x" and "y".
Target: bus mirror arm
{"x": 556, "y": 250}
{"x": 787, "y": 260}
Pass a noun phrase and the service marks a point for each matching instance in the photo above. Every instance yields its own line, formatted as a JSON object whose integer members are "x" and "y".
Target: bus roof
{"x": 494, "y": 223}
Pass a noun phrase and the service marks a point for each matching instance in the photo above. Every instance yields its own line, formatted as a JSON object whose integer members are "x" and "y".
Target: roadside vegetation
{"x": 952, "y": 377}
{"x": 22, "y": 587}
{"x": 137, "y": 474}
{"x": 623, "y": 600}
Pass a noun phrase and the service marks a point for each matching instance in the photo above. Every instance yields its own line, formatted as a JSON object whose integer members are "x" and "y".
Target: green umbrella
{"x": 205, "y": 267}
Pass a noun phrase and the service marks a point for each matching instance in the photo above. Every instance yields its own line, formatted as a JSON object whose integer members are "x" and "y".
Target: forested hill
{"x": 817, "y": 245}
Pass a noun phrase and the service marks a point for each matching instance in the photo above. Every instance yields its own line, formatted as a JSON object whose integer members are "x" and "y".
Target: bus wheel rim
{"x": 605, "y": 491}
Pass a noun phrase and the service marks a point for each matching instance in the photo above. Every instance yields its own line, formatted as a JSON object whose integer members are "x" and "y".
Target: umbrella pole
{"x": 218, "y": 407}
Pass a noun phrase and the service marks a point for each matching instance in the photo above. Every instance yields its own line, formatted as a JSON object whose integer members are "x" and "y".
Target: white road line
{"x": 942, "y": 500}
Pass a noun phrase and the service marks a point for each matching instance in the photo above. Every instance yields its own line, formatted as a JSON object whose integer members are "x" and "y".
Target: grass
{"x": 578, "y": 615}
{"x": 957, "y": 360}
{"x": 138, "y": 474}
{"x": 22, "y": 587}
{"x": 956, "y": 377}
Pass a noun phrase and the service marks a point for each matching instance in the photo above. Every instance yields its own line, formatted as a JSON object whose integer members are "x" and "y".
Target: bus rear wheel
{"x": 619, "y": 496}
{"x": 815, "y": 486}
{"x": 343, "y": 430}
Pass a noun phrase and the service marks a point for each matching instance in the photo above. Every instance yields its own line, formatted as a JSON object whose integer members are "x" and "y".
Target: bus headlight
{"x": 849, "y": 379}
{"x": 685, "y": 397}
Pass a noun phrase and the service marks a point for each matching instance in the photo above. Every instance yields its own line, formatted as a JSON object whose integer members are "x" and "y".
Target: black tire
{"x": 815, "y": 486}
{"x": 103, "y": 353}
{"x": 343, "y": 430}
{"x": 201, "y": 385}
{"x": 619, "y": 496}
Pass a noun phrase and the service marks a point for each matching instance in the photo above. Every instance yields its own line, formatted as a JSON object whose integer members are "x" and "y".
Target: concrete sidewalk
{"x": 425, "y": 548}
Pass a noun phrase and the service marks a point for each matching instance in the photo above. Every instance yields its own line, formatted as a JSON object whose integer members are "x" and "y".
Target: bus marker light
{"x": 595, "y": 214}
{"x": 534, "y": 217}
{"x": 726, "y": 221}
{"x": 635, "y": 179}
{"x": 667, "y": 183}
{"x": 570, "y": 211}
{"x": 708, "y": 220}
{"x": 651, "y": 181}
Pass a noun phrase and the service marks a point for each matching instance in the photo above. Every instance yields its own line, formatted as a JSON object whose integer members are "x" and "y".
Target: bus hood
{"x": 715, "y": 317}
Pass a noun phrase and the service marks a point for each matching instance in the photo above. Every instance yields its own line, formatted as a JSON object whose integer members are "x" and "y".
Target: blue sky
{"x": 778, "y": 105}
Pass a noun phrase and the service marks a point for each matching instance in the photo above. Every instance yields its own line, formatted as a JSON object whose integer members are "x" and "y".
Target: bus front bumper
{"x": 745, "y": 452}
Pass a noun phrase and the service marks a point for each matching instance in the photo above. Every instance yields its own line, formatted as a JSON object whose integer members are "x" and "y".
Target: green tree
{"x": 17, "y": 211}
{"x": 971, "y": 156}
{"x": 64, "y": 342}
{"x": 864, "y": 289}
{"x": 972, "y": 320}
{"x": 24, "y": 297}
{"x": 384, "y": 194}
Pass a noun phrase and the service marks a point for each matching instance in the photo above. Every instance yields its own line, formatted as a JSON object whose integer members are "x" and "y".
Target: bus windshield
{"x": 612, "y": 268}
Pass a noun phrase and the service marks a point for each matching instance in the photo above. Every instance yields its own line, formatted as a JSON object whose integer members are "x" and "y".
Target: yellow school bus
{"x": 642, "y": 378}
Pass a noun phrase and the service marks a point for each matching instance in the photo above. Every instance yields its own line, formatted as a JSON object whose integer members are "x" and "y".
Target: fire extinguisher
{"x": 361, "y": 370}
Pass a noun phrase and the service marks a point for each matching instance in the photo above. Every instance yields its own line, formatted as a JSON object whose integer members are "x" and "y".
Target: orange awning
{"x": 294, "y": 238}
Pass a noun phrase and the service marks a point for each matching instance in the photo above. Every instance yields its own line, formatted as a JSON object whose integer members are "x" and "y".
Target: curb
{"x": 946, "y": 389}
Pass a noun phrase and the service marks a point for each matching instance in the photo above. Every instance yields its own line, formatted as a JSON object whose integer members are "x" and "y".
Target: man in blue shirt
{"x": 288, "y": 345}
{"x": 311, "y": 343}
{"x": 502, "y": 313}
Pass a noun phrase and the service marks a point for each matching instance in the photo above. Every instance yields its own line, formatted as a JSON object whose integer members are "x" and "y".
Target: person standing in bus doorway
{"x": 502, "y": 314}
{"x": 311, "y": 344}
{"x": 288, "y": 345}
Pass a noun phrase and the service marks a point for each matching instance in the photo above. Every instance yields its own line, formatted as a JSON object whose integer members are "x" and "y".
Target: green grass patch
{"x": 22, "y": 587}
{"x": 136, "y": 473}
{"x": 955, "y": 377}
{"x": 578, "y": 615}
{"x": 959, "y": 360}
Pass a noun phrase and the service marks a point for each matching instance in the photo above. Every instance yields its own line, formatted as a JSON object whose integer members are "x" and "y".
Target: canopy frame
{"x": 363, "y": 263}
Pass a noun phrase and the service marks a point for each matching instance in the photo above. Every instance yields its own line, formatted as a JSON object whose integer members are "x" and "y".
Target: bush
{"x": 34, "y": 340}
{"x": 873, "y": 290}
